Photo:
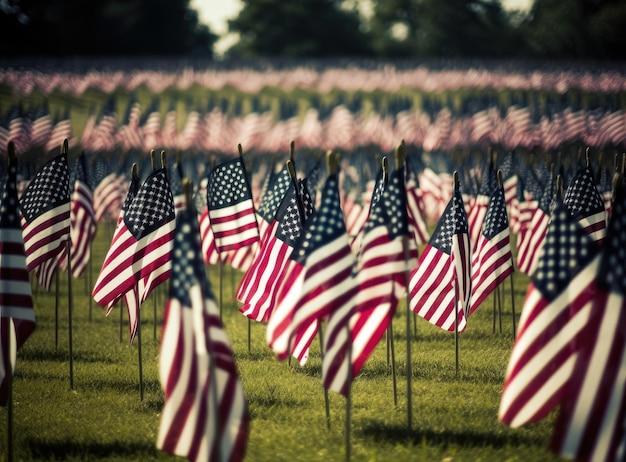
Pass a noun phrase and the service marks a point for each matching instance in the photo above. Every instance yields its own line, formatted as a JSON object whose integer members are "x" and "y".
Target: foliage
{"x": 102, "y": 27}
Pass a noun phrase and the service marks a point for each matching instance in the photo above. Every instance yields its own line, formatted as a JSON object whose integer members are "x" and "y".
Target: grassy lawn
{"x": 454, "y": 417}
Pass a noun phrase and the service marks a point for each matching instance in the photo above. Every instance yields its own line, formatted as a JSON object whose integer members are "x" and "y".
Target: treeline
{"x": 561, "y": 29}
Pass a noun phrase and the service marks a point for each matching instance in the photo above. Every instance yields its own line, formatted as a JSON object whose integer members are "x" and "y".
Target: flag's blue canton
{"x": 532, "y": 185}
{"x": 99, "y": 171}
{"x": 326, "y": 224}
{"x": 305, "y": 197}
{"x": 394, "y": 201}
{"x": 175, "y": 179}
{"x": 289, "y": 220}
{"x": 496, "y": 220}
{"x": 375, "y": 217}
{"x": 612, "y": 272}
{"x": 566, "y": 249}
{"x": 274, "y": 196}
{"x": 8, "y": 206}
{"x": 582, "y": 197}
{"x": 49, "y": 189}
{"x": 453, "y": 221}
{"x": 546, "y": 203}
{"x": 152, "y": 206}
{"x": 133, "y": 189}
{"x": 81, "y": 171}
{"x": 507, "y": 167}
{"x": 605, "y": 180}
{"x": 187, "y": 264}
{"x": 488, "y": 183}
{"x": 228, "y": 185}
{"x": 313, "y": 179}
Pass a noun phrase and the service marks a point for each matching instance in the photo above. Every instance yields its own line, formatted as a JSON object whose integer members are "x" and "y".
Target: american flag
{"x": 103, "y": 137}
{"x": 17, "y": 317}
{"x": 417, "y": 224}
{"x": 140, "y": 252}
{"x": 272, "y": 258}
{"x": 591, "y": 423}
{"x": 209, "y": 249}
{"x": 108, "y": 195}
{"x": 82, "y": 219}
{"x": 380, "y": 266}
{"x": 584, "y": 202}
{"x": 270, "y": 204}
{"x": 231, "y": 209}
{"x": 492, "y": 262}
{"x": 478, "y": 209}
{"x": 205, "y": 414}
{"x": 532, "y": 241}
{"x": 151, "y": 126}
{"x": 41, "y": 127}
{"x": 556, "y": 310}
{"x": 19, "y": 129}
{"x": 129, "y": 135}
{"x": 318, "y": 281}
{"x": 45, "y": 207}
{"x": 441, "y": 283}
{"x": 132, "y": 296}
{"x": 62, "y": 130}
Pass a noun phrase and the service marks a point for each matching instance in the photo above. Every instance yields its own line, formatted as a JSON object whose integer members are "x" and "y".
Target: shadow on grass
{"x": 381, "y": 432}
{"x": 63, "y": 449}
{"x": 254, "y": 355}
{"x": 151, "y": 405}
{"x": 38, "y": 354}
{"x": 150, "y": 386}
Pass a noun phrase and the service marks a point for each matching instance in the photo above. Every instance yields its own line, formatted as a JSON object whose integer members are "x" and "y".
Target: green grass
{"x": 103, "y": 419}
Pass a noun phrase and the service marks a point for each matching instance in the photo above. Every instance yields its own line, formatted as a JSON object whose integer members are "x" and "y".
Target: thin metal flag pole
{"x": 348, "y": 423}
{"x": 513, "y": 315}
{"x": 154, "y": 313}
{"x": 139, "y": 355}
{"x": 121, "y": 320}
{"x": 221, "y": 277}
{"x": 56, "y": 309}
{"x": 400, "y": 163}
{"x": 70, "y": 298}
{"x": 498, "y": 291}
{"x": 89, "y": 280}
{"x": 456, "y": 307}
{"x": 10, "y": 393}
{"x": 326, "y": 399}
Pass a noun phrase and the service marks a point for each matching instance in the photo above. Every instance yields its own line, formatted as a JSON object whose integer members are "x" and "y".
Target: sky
{"x": 216, "y": 14}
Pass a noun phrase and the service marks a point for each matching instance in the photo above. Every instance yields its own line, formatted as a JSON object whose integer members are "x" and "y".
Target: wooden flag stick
{"x": 56, "y": 309}
{"x": 400, "y": 163}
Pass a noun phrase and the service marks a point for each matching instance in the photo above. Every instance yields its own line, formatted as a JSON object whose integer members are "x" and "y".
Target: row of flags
{"x": 351, "y": 78}
{"x": 305, "y": 265}
{"x": 342, "y": 129}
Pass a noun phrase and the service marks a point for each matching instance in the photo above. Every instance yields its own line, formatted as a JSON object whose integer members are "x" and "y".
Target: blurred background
{"x": 389, "y": 29}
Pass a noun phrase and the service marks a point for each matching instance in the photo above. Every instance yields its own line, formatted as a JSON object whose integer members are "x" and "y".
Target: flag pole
{"x": 400, "y": 163}
{"x": 70, "y": 300}
{"x": 121, "y": 319}
{"x": 10, "y": 393}
{"x": 56, "y": 309}
{"x": 221, "y": 277}
{"x": 89, "y": 280}
{"x": 456, "y": 305}
{"x": 390, "y": 337}
{"x": 139, "y": 355}
{"x": 348, "y": 422}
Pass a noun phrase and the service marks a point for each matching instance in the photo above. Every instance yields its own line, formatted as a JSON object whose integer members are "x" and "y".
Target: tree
{"x": 454, "y": 28}
{"x": 304, "y": 28}
{"x": 102, "y": 27}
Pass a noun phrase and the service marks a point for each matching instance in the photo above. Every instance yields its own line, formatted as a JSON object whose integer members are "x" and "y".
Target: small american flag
{"x": 531, "y": 243}
{"x": 584, "y": 202}
{"x": 590, "y": 426}
{"x": 380, "y": 267}
{"x": 318, "y": 282}
{"x": 557, "y": 307}
{"x": 492, "y": 262}
{"x": 231, "y": 209}
{"x": 82, "y": 219}
{"x": 108, "y": 195}
{"x": 205, "y": 415}
{"x": 140, "y": 252}
{"x": 209, "y": 249}
{"x": 17, "y": 317}
{"x": 441, "y": 283}
{"x": 45, "y": 207}
{"x": 272, "y": 258}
